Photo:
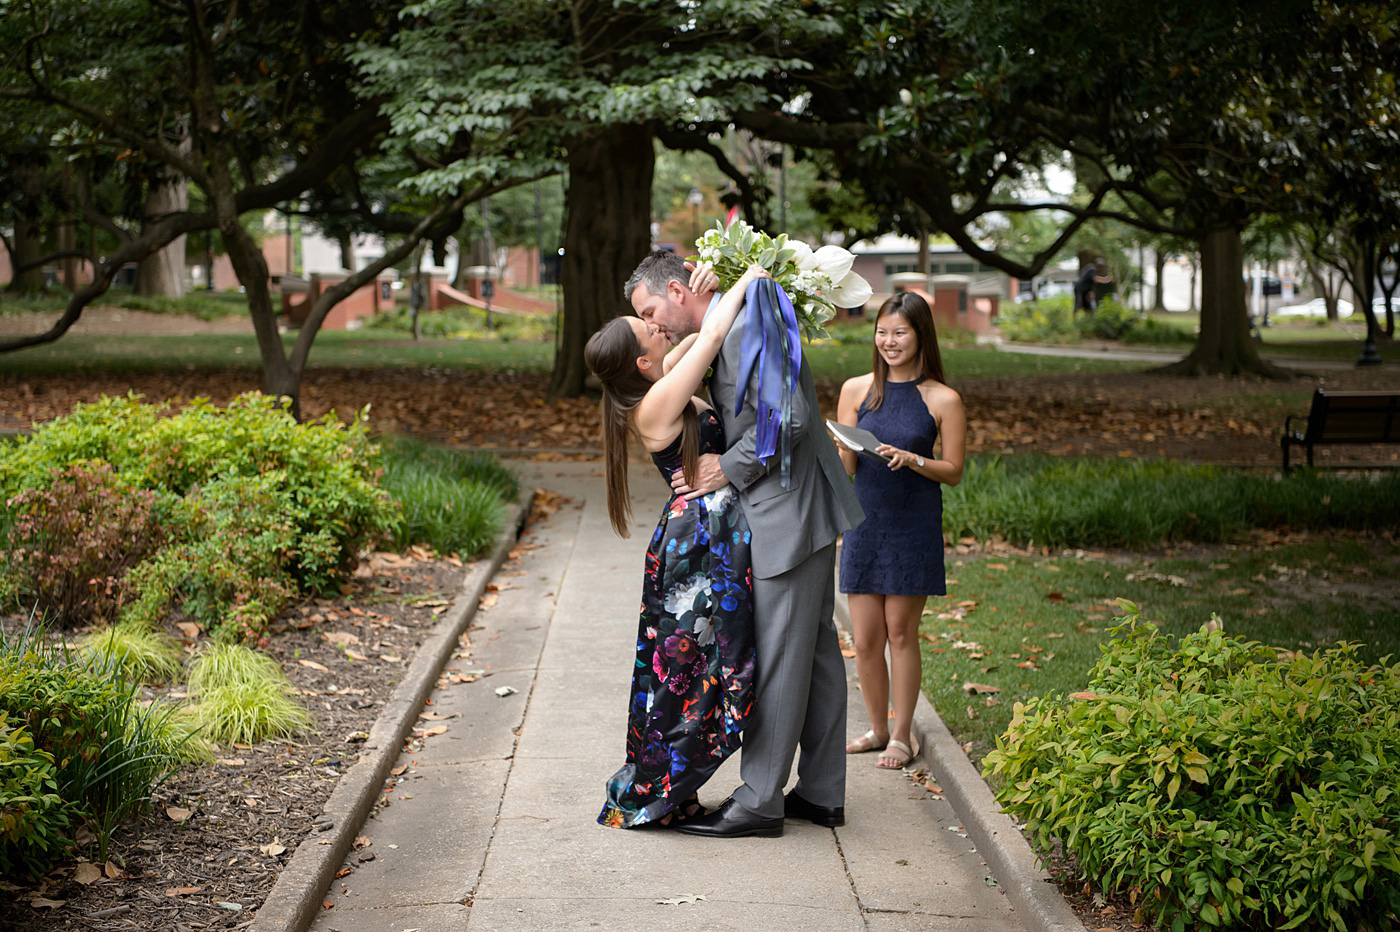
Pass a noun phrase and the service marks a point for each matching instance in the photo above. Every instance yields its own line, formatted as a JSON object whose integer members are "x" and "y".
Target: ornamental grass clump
{"x": 242, "y": 696}
{"x": 449, "y": 501}
{"x": 1217, "y": 783}
{"x": 143, "y": 655}
{"x": 79, "y": 746}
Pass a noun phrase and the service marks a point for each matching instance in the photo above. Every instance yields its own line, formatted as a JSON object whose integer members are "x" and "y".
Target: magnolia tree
{"x": 590, "y": 90}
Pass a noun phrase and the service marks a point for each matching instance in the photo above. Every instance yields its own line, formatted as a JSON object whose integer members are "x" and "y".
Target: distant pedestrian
{"x": 891, "y": 563}
{"x": 1086, "y": 286}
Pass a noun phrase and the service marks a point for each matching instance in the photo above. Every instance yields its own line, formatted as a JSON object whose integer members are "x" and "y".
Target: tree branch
{"x": 155, "y": 237}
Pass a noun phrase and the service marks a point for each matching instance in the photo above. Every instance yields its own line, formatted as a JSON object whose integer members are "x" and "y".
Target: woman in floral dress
{"x": 693, "y": 675}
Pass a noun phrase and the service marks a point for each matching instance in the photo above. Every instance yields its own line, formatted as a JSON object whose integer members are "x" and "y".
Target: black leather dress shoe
{"x": 732, "y": 820}
{"x": 795, "y": 807}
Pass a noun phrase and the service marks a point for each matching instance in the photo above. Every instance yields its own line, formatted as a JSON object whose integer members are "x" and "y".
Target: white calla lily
{"x": 851, "y": 291}
{"x": 805, "y": 260}
{"x": 834, "y": 262}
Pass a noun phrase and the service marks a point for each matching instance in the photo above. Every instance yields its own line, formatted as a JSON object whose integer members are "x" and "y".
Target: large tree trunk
{"x": 29, "y": 248}
{"x": 163, "y": 273}
{"x": 280, "y": 377}
{"x": 606, "y": 233}
{"x": 347, "y": 251}
{"x": 1158, "y": 285}
{"x": 1224, "y": 346}
{"x": 28, "y": 239}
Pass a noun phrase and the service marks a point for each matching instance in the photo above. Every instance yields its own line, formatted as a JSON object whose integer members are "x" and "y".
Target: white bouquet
{"x": 817, "y": 281}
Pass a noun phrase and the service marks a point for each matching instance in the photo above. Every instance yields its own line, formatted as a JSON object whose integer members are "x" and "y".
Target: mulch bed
{"x": 209, "y": 849}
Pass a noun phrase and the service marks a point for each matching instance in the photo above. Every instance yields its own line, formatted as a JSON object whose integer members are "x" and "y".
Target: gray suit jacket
{"x": 788, "y": 524}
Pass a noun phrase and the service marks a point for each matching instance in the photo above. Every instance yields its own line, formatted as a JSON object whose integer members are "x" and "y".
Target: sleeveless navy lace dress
{"x": 898, "y": 548}
{"x": 692, "y": 682}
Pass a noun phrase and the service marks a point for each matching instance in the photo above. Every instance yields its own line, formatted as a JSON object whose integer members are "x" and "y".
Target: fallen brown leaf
{"x": 87, "y": 872}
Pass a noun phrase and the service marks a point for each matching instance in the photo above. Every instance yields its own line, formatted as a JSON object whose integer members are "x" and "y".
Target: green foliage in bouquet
{"x": 1217, "y": 783}
{"x": 817, "y": 281}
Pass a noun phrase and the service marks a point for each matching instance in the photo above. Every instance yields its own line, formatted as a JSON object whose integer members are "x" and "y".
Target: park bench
{"x": 1345, "y": 417}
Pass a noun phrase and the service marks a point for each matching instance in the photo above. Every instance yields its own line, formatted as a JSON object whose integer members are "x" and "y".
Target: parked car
{"x": 1046, "y": 289}
{"x": 1314, "y": 308}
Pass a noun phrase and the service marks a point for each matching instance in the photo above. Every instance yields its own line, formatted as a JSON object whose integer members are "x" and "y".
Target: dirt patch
{"x": 250, "y": 810}
{"x": 1232, "y": 422}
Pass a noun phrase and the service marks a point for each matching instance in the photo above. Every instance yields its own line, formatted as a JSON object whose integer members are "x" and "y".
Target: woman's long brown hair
{"x": 611, "y": 354}
{"x": 915, "y": 310}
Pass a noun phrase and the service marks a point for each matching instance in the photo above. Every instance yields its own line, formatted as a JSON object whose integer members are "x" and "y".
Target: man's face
{"x": 667, "y": 312}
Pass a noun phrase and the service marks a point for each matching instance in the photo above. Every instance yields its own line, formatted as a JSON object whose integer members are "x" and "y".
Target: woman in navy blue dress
{"x": 893, "y": 561}
{"x": 692, "y": 676}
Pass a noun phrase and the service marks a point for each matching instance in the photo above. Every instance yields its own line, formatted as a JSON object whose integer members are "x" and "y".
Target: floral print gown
{"x": 692, "y": 683}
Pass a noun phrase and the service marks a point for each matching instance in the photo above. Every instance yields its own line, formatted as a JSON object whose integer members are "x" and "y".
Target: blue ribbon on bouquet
{"x": 770, "y": 347}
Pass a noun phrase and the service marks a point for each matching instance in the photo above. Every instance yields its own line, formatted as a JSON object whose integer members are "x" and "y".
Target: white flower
{"x": 812, "y": 279}
{"x": 683, "y": 597}
{"x": 704, "y": 630}
{"x": 833, "y": 262}
{"x": 718, "y": 500}
{"x": 851, "y": 291}
{"x": 804, "y": 259}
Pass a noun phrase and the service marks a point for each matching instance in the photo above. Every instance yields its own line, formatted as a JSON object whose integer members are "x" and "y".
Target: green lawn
{"x": 354, "y": 348}
{"x": 332, "y": 349}
{"x": 1030, "y": 625}
{"x": 1286, "y": 336}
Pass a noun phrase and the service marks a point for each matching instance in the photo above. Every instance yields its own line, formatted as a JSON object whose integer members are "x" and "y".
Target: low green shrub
{"x": 242, "y": 696}
{"x": 230, "y": 567}
{"x": 34, "y": 819}
{"x": 203, "y": 305}
{"x": 73, "y": 542}
{"x": 1158, "y": 332}
{"x": 109, "y": 748}
{"x": 461, "y": 322}
{"x": 256, "y": 507}
{"x": 1053, "y": 320}
{"x": 1216, "y": 785}
{"x": 399, "y": 452}
{"x": 1065, "y": 502}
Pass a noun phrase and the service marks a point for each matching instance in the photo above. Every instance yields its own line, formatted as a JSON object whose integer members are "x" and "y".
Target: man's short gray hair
{"x": 656, "y": 271}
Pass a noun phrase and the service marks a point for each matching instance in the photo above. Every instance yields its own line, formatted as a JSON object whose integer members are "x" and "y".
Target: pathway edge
{"x": 296, "y": 897}
{"x": 1014, "y": 865}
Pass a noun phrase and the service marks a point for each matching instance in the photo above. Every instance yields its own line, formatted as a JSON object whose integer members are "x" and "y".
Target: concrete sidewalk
{"x": 491, "y": 826}
{"x": 1162, "y": 357}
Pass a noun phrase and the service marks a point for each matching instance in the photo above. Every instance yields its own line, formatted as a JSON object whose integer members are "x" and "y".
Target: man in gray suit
{"x": 800, "y": 694}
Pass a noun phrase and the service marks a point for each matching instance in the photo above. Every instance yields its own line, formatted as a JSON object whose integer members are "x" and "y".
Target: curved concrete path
{"x": 491, "y": 825}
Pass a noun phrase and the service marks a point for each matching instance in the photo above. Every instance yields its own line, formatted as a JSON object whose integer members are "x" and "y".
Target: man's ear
{"x": 677, "y": 292}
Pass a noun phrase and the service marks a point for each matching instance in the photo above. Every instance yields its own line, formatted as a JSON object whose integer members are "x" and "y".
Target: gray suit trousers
{"x": 800, "y": 697}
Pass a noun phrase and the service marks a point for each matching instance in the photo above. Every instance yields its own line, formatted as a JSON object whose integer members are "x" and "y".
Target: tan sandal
{"x": 866, "y": 742}
{"x": 899, "y": 753}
